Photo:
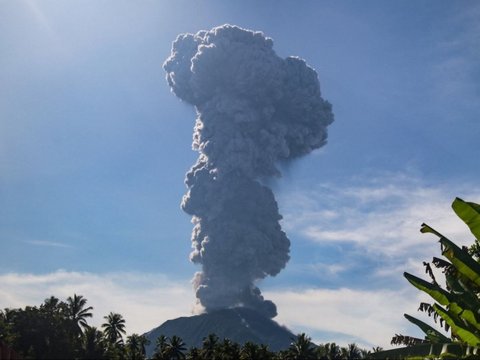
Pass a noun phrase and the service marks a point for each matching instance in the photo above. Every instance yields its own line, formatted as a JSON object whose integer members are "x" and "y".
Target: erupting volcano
{"x": 254, "y": 109}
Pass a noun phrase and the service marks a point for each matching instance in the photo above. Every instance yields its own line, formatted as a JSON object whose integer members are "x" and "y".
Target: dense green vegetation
{"x": 59, "y": 330}
{"x": 456, "y": 303}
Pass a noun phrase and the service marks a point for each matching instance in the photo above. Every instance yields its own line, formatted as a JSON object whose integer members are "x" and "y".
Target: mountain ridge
{"x": 237, "y": 324}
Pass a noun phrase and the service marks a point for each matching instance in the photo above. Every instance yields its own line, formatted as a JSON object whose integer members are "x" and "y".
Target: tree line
{"x": 59, "y": 330}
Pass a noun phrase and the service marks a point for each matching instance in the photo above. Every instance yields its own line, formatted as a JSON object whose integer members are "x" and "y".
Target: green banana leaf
{"x": 464, "y": 332}
{"x": 433, "y": 335}
{"x": 458, "y": 288}
{"x": 464, "y": 263}
{"x": 458, "y": 283}
{"x": 469, "y": 213}
{"x": 424, "y": 228}
{"x": 456, "y": 303}
{"x": 435, "y": 291}
{"x": 459, "y": 304}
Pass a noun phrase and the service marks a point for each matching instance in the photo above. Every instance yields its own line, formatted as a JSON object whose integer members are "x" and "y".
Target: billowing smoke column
{"x": 253, "y": 109}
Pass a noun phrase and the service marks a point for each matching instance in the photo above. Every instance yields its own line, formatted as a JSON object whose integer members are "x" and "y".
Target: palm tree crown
{"x": 175, "y": 348}
{"x": 77, "y": 312}
{"x": 114, "y": 327}
{"x": 302, "y": 349}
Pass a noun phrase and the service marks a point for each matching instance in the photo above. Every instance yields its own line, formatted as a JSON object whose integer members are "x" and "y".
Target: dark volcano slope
{"x": 239, "y": 325}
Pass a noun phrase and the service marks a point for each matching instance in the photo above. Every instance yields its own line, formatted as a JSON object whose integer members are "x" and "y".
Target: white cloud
{"x": 144, "y": 300}
{"x": 369, "y": 318}
{"x": 375, "y": 225}
{"x": 329, "y": 269}
{"x": 378, "y": 216}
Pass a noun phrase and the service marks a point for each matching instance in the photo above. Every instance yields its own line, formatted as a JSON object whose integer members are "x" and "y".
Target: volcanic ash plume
{"x": 253, "y": 109}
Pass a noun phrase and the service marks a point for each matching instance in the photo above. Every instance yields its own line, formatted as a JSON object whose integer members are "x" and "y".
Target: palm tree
{"x": 264, "y": 352}
{"x": 250, "y": 351}
{"x": 77, "y": 312}
{"x": 175, "y": 348}
{"x": 143, "y": 344}
{"x": 160, "y": 348}
{"x": 136, "y": 347}
{"x": 329, "y": 351}
{"x": 114, "y": 328}
{"x": 209, "y": 346}
{"x": 193, "y": 354}
{"x": 351, "y": 352}
{"x": 230, "y": 350}
{"x": 302, "y": 349}
{"x": 92, "y": 344}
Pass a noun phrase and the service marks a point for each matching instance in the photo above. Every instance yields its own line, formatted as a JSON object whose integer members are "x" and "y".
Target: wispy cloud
{"x": 369, "y": 318}
{"x": 366, "y": 231}
{"x": 48, "y": 243}
{"x": 329, "y": 269}
{"x": 381, "y": 217}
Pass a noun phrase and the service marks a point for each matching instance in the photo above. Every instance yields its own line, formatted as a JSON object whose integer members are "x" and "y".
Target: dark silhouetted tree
{"x": 78, "y": 313}
{"x": 302, "y": 348}
{"x": 93, "y": 344}
{"x": 114, "y": 328}
{"x": 175, "y": 348}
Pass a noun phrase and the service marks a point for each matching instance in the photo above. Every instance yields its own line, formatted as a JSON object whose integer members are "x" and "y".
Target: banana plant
{"x": 457, "y": 305}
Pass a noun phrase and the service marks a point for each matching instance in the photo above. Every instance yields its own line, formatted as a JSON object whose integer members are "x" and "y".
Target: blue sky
{"x": 94, "y": 148}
